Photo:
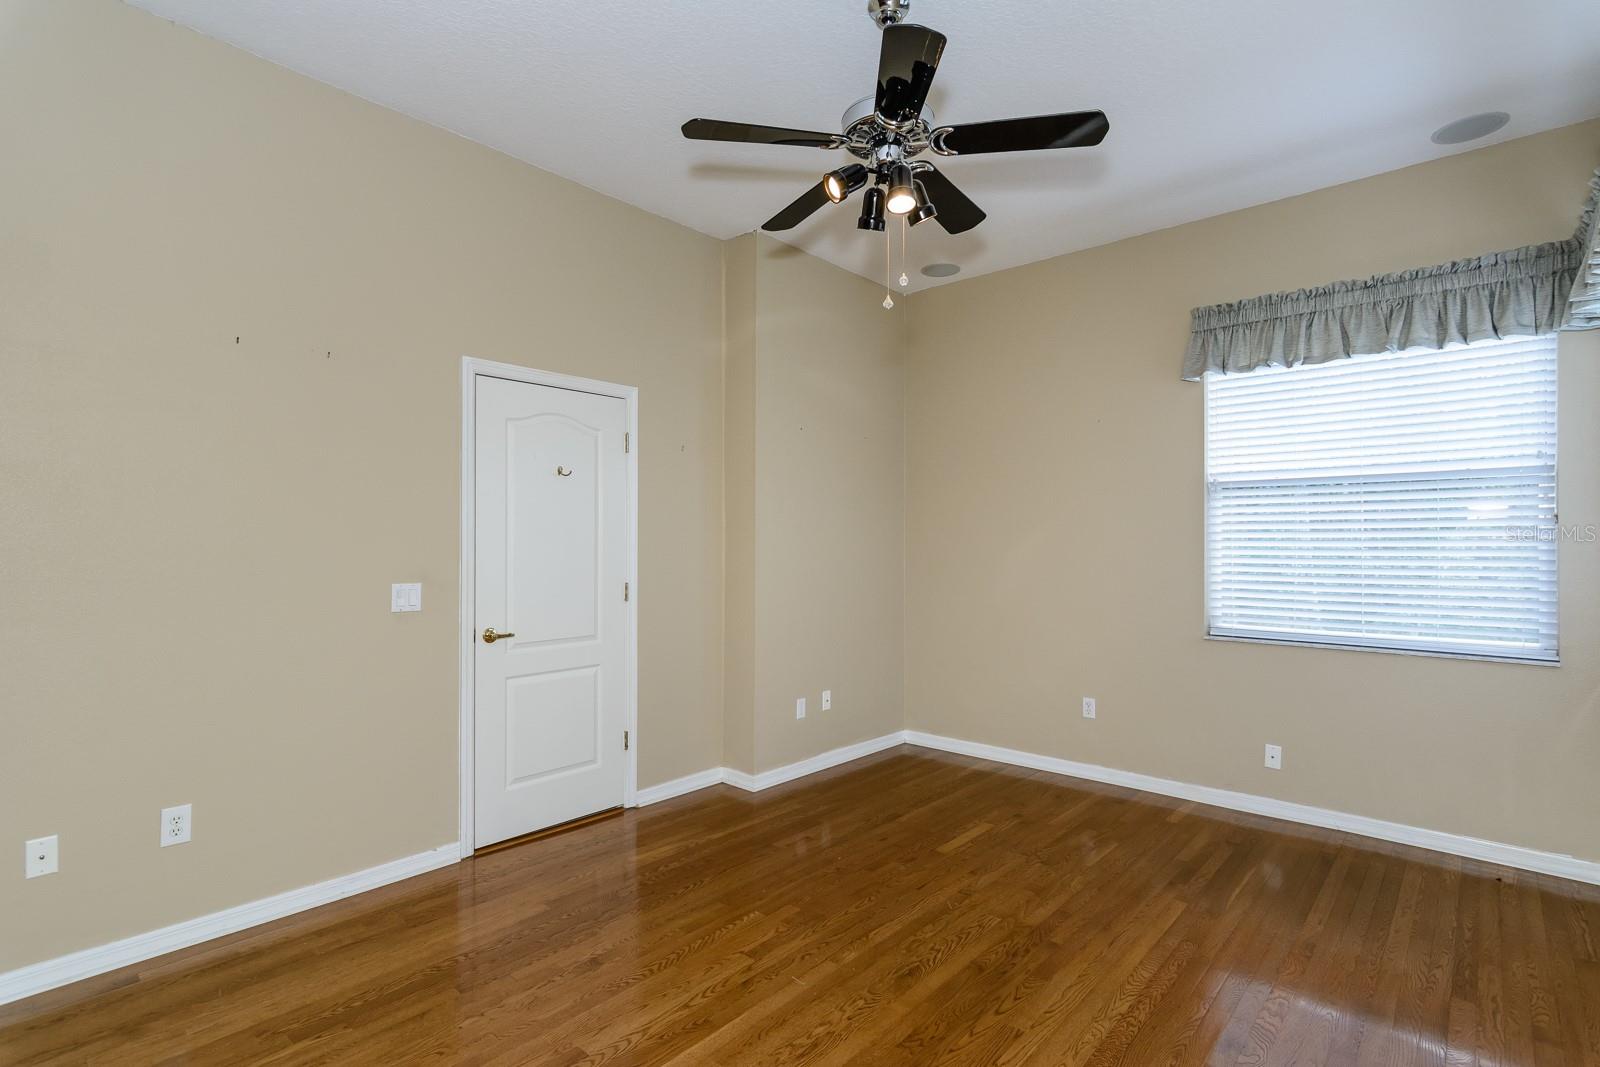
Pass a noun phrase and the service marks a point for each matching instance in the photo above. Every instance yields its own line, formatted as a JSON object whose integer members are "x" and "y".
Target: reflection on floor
{"x": 909, "y": 908}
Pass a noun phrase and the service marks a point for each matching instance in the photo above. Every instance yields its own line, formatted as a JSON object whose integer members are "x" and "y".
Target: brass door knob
{"x": 490, "y": 637}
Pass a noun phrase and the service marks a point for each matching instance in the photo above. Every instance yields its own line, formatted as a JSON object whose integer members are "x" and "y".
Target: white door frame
{"x": 471, "y": 370}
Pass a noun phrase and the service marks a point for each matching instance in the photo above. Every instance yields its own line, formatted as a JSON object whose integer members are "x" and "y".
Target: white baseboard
{"x": 49, "y": 974}
{"x": 678, "y": 786}
{"x": 754, "y": 783}
{"x": 1477, "y": 848}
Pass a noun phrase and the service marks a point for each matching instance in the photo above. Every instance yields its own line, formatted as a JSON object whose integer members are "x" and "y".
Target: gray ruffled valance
{"x": 1508, "y": 294}
{"x": 1583, "y": 308}
{"x": 1521, "y": 293}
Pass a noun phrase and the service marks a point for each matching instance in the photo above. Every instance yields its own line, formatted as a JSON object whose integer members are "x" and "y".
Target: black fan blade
{"x": 956, "y": 214}
{"x": 797, "y": 212}
{"x": 746, "y": 133}
{"x": 906, "y": 66}
{"x": 1073, "y": 129}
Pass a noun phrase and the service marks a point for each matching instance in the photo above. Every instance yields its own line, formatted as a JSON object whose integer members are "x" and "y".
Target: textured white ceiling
{"x": 1213, "y": 106}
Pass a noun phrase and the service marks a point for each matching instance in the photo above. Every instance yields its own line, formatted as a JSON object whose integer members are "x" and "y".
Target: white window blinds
{"x": 1400, "y": 502}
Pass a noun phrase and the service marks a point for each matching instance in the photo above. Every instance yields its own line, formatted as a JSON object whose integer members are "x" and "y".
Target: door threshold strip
{"x": 550, "y": 831}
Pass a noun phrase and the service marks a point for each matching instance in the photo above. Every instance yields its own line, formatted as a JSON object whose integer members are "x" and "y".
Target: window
{"x": 1402, "y": 502}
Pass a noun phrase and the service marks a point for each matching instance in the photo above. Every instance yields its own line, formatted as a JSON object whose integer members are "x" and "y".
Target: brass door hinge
{"x": 624, "y": 740}
{"x": 627, "y": 442}
{"x": 624, "y": 591}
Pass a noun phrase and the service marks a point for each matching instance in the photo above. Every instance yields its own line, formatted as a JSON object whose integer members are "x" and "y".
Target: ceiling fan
{"x": 887, "y": 131}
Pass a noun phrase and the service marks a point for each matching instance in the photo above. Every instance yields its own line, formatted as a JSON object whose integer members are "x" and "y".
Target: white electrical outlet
{"x": 1088, "y": 707}
{"x": 42, "y": 855}
{"x": 1275, "y": 757}
{"x": 800, "y": 708}
{"x": 827, "y": 699}
{"x": 175, "y": 825}
{"x": 405, "y": 596}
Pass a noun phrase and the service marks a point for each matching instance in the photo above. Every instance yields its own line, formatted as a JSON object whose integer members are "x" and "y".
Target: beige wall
{"x": 197, "y": 536}
{"x": 815, "y": 510}
{"x": 1054, "y": 524}
{"x": 739, "y": 502}
{"x": 234, "y": 307}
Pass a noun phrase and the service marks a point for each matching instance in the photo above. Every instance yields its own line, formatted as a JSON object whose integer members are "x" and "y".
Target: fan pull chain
{"x": 904, "y": 226}
{"x": 888, "y": 249}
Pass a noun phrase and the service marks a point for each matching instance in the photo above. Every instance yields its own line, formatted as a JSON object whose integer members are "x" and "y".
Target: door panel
{"x": 552, "y": 724}
{"x": 553, "y": 591}
{"x": 551, "y": 500}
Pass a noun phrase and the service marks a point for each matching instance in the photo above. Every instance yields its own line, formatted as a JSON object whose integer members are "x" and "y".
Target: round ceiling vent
{"x": 940, "y": 270}
{"x": 1470, "y": 128}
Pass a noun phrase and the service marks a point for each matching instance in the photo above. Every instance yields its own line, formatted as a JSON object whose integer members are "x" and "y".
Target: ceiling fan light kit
{"x": 839, "y": 184}
{"x": 902, "y": 198}
{"x": 871, "y": 211}
{"x": 925, "y": 207}
{"x": 889, "y": 129}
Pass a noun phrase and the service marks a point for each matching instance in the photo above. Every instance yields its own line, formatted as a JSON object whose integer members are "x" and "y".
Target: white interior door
{"x": 552, "y": 507}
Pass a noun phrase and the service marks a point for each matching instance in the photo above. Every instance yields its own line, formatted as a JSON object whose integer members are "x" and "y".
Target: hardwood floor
{"x": 909, "y": 908}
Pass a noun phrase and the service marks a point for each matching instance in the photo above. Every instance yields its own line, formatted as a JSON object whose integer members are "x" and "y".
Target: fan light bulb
{"x": 902, "y": 199}
{"x": 838, "y": 184}
{"x": 888, "y": 301}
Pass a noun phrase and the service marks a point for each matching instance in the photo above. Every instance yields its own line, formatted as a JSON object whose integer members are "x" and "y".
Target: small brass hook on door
{"x": 565, "y": 472}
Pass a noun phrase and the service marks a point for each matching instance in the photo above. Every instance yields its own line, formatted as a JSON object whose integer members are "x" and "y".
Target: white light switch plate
{"x": 175, "y": 825}
{"x": 42, "y": 855}
{"x": 405, "y": 596}
{"x": 800, "y": 708}
{"x": 827, "y": 699}
{"x": 1275, "y": 757}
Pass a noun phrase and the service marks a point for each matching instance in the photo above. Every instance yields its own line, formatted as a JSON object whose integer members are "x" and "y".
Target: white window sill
{"x": 1336, "y": 647}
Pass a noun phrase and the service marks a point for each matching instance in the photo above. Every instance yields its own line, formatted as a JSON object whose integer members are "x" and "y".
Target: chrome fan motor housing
{"x": 888, "y": 12}
{"x": 866, "y": 135}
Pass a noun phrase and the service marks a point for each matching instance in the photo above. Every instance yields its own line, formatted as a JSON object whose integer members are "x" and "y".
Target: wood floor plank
{"x": 911, "y": 908}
